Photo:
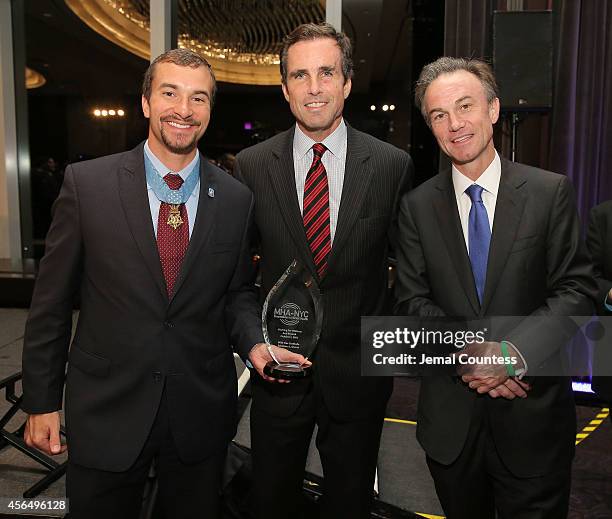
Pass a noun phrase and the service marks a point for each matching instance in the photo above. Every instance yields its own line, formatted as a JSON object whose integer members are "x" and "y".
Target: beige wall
{"x": 10, "y": 232}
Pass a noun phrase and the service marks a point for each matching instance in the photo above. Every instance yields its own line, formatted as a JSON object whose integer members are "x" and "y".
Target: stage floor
{"x": 404, "y": 481}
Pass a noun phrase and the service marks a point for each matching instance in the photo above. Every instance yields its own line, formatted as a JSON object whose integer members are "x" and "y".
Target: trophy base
{"x": 286, "y": 370}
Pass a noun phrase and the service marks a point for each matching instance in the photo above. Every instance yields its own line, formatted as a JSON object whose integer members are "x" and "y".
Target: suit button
{"x": 157, "y": 376}
{"x": 168, "y": 324}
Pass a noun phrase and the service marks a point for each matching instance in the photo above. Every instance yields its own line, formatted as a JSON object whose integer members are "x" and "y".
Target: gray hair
{"x": 446, "y": 65}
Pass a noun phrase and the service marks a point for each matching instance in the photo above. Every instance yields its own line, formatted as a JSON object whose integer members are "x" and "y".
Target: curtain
{"x": 468, "y": 28}
{"x": 581, "y": 136}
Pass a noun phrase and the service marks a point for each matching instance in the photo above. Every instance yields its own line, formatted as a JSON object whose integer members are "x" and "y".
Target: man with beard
{"x": 162, "y": 268}
{"x": 326, "y": 195}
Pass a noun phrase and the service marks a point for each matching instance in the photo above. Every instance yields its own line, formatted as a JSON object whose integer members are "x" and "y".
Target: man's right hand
{"x": 510, "y": 389}
{"x": 42, "y": 432}
{"x": 259, "y": 357}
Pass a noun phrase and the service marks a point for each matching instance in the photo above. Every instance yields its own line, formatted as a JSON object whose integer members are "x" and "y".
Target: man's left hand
{"x": 484, "y": 367}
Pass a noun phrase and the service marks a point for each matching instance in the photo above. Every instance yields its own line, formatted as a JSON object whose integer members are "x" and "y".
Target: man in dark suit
{"x": 154, "y": 241}
{"x": 492, "y": 238}
{"x": 599, "y": 244}
{"x": 324, "y": 171}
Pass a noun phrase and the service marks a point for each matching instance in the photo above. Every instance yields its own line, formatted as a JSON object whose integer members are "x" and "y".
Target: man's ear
{"x": 494, "y": 110}
{"x": 145, "y": 107}
{"x": 347, "y": 88}
{"x": 285, "y": 93}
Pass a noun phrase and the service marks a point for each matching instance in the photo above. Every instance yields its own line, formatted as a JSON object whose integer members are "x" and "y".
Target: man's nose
{"x": 314, "y": 87}
{"x": 455, "y": 122}
{"x": 183, "y": 108}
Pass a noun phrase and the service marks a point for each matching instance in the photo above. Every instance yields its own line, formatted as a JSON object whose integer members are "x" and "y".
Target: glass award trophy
{"x": 292, "y": 318}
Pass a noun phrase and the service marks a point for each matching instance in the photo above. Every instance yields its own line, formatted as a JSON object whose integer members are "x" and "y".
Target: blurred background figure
{"x": 226, "y": 162}
{"x": 46, "y": 182}
{"x": 599, "y": 243}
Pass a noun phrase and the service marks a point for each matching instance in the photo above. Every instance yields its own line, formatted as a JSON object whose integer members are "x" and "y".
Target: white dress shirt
{"x": 489, "y": 181}
{"x": 334, "y": 160}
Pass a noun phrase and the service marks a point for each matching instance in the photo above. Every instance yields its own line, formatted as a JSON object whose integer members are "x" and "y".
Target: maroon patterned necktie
{"x": 316, "y": 210}
{"x": 172, "y": 234}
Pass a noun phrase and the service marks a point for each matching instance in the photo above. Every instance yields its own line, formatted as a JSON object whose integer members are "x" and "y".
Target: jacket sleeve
{"x": 597, "y": 250}
{"x": 571, "y": 285}
{"x": 412, "y": 290}
{"x": 49, "y": 324}
{"x": 242, "y": 311}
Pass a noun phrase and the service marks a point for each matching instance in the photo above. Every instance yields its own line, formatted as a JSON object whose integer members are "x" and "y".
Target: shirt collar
{"x": 489, "y": 179}
{"x": 335, "y": 142}
{"x": 162, "y": 170}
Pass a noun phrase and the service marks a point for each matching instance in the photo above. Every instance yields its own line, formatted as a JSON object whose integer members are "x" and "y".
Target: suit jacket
{"x": 131, "y": 339}
{"x": 376, "y": 174}
{"x": 599, "y": 244}
{"x": 536, "y": 267}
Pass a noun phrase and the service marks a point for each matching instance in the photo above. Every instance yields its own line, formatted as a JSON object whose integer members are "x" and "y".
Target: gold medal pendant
{"x": 174, "y": 218}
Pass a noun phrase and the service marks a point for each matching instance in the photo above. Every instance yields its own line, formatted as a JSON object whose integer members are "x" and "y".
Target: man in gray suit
{"x": 163, "y": 270}
{"x": 492, "y": 238}
{"x": 325, "y": 194}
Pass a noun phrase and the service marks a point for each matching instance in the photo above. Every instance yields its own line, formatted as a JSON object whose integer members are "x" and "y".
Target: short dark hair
{"x": 446, "y": 65}
{"x": 183, "y": 58}
{"x": 313, "y": 31}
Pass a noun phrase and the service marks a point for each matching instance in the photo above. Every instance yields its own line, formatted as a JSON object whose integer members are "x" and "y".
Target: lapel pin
{"x": 211, "y": 192}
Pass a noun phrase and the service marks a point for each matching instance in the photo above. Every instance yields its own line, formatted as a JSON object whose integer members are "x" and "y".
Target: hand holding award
{"x": 292, "y": 318}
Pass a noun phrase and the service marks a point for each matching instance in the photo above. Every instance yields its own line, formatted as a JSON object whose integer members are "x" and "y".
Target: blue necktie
{"x": 479, "y": 238}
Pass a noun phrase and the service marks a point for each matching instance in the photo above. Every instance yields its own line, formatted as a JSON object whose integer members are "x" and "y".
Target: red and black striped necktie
{"x": 316, "y": 210}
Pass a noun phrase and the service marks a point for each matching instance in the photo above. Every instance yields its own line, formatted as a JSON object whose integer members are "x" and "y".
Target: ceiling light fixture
{"x": 108, "y": 112}
{"x": 245, "y": 51}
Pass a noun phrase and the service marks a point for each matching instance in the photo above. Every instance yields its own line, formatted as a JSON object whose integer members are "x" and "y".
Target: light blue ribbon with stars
{"x": 162, "y": 190}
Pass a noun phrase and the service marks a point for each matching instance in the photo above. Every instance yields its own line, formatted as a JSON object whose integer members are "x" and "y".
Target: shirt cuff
{"x": 247, "y": 362}
{"x": 520, "y": 372}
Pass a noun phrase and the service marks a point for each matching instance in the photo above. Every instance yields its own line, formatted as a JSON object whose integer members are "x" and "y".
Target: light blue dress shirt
{"x": 154, "y": 203}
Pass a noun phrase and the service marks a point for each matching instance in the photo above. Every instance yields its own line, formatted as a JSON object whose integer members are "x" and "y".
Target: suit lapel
{"x": 357, "y": 177}
{"x": 508, "y": 212}
{"x": 282, "y": 178}
{"x": 135, "y": 202}
{"x": 447, "y": 214}
{"x": 207, "y": 208}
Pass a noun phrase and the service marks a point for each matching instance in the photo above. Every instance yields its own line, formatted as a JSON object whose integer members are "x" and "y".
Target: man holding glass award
{"x": 325, "y": 212}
